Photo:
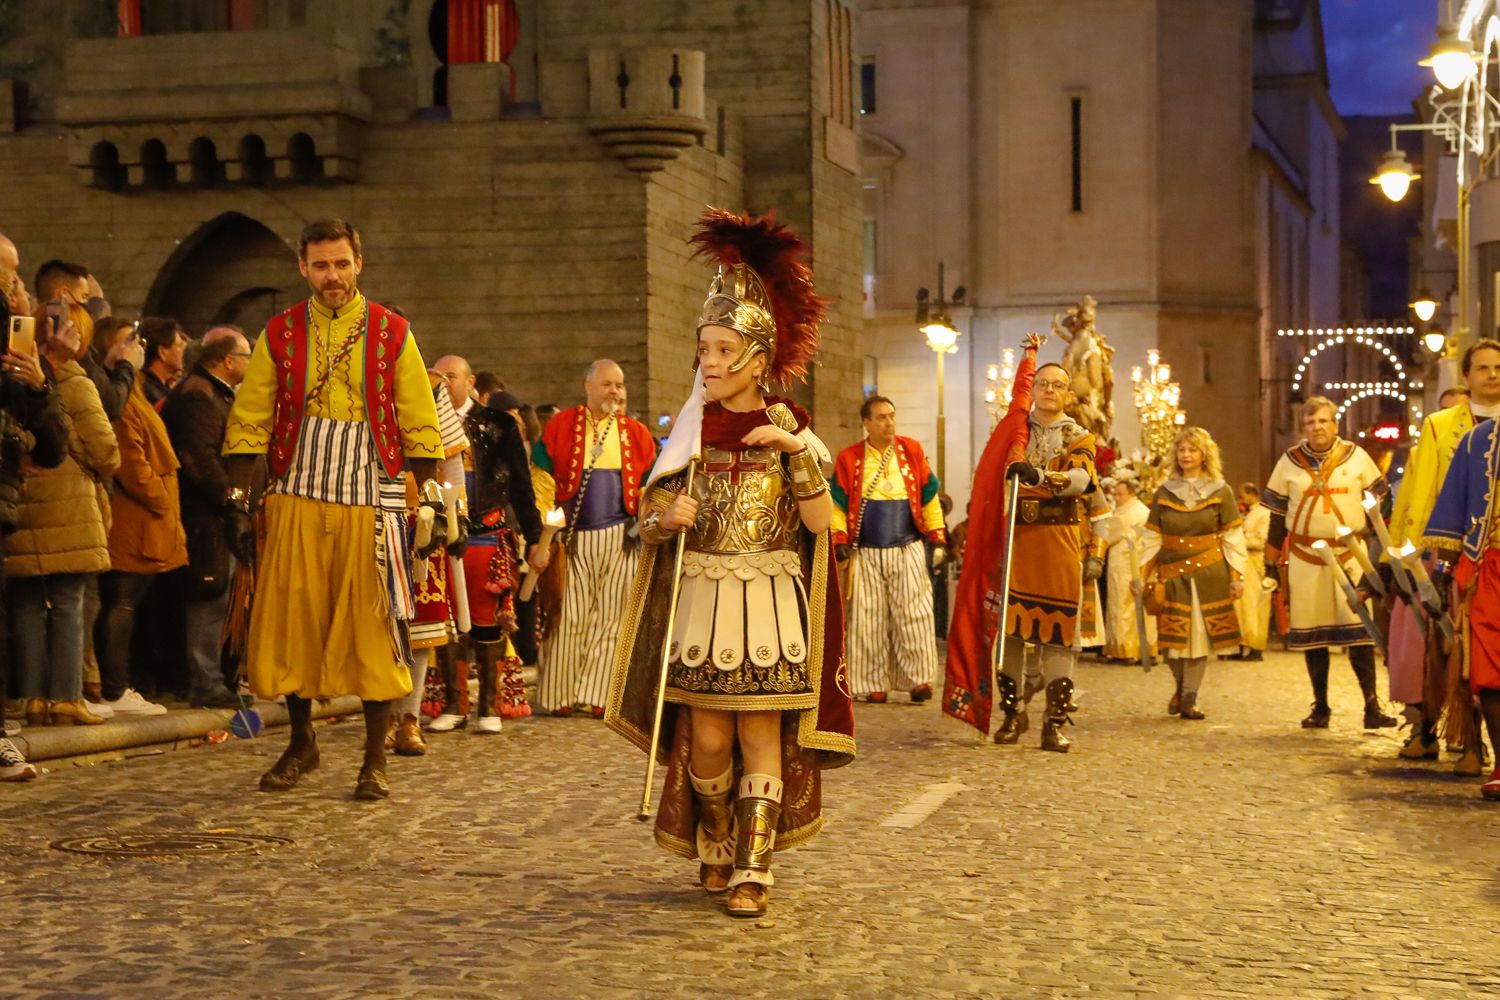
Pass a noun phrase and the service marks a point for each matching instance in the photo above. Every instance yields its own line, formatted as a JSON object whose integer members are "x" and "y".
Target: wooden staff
{"x": 666, "y": 655}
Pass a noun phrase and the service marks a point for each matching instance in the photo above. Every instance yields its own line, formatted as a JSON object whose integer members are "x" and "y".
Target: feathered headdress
{"x": 762, "y": 289}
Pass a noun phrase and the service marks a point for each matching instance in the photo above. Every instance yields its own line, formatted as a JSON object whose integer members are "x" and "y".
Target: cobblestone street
{"x": 1239, "y": 856}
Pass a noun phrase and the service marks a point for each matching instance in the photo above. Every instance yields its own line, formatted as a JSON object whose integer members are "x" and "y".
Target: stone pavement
{"x": 1239, "y": 856}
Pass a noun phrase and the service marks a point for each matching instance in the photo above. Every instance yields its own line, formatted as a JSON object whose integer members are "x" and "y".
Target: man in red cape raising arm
{"x": 1053, "y": 458}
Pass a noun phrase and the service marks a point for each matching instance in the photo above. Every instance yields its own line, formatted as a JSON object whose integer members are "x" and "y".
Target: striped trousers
{"x": 573, "y": 665}
{"x": 892, "y": 640}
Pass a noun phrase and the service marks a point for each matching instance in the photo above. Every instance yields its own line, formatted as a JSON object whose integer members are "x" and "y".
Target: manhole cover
{"x": 155, "y": 845}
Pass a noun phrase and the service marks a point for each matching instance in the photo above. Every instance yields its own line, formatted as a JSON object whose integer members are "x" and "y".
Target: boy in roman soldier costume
{"x": 337, "y": 398}
{"x": 757, "y": 701}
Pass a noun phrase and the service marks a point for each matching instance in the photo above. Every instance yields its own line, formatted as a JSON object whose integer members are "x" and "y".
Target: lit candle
{"x": 1412, "y": 558}
{"x": 1135, "y": 373}
{"x": 1371, "y": 504}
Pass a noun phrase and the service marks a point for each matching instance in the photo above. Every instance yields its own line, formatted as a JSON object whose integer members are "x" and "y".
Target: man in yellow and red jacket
{"x": 886, "y": 514}
{"x": 590, "y": 462}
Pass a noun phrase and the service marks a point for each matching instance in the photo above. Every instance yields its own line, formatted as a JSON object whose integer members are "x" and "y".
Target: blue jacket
{"x": 1462, "y": 515}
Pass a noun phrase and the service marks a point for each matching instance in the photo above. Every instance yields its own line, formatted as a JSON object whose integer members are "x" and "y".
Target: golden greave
{"x": 715, "y": 834}
{"x": 756, "y": 811}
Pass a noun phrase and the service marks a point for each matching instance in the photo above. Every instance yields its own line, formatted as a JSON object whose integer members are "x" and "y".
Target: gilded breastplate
{"x": 745, "y": 503}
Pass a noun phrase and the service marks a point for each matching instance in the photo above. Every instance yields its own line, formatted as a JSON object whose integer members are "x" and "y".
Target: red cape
{"x": 968, "y": 690}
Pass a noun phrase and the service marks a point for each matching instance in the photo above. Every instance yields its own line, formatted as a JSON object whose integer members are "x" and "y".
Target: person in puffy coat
{"x": 59, "y": 539}
{"x": 145, "y": 540}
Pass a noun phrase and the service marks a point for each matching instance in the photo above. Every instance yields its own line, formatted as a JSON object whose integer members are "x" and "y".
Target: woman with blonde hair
{"x": 1195, "y": 554}
{"x": 60, "y": 538}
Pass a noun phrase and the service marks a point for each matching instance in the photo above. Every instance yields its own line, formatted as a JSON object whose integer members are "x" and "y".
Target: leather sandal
{"x": 371, "y": 785}
{"x": 748, "y": 899}
{"x": 720, "y": 875}
{"x": 287, "y": 771}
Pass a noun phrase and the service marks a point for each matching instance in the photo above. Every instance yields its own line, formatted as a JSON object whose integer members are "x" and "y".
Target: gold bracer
{"x": 807, "y": 477}
{"x": 715, "y": 833}
{"x": 755, "y": 840}
{"x": 745, "y": 503}
{"x": 738, "y": 299}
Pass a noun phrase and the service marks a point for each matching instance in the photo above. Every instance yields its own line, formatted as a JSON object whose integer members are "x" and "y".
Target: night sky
{"x": 1373, "y": 48}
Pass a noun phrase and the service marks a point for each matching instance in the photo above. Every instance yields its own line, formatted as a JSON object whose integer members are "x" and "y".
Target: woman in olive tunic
{"x": 1195, "y": 549}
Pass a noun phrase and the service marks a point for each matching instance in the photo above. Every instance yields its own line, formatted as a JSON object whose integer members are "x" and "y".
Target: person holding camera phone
{"x": 33, "y": 433}
{"x": 59, "y": 539}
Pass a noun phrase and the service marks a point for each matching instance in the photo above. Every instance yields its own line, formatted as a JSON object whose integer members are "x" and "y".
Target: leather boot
{"x": 756, "y": 811}
{"x": 1317, "y": 673}
{"x": 1189, "y": 706}
{"x": 715, "y": 830}
{"x": 1375, "y": 718}
{"x": 1016, "y": 720}
{"x": 489, "y": 689}
{"x": 1059, "y": 704}
{"x": 409, "y": 741}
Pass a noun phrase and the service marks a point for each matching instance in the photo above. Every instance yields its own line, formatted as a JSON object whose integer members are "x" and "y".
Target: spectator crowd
{"x": 117, "y": 572}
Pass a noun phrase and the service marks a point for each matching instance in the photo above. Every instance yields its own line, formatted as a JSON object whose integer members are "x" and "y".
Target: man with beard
{"x": 337, "y": 398}
{"x": 590, "y": 461}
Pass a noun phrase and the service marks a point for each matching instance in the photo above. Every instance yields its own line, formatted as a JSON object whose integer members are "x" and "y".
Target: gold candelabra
{"x": 999, "y": 383}
{"x": 1156, "y": 399}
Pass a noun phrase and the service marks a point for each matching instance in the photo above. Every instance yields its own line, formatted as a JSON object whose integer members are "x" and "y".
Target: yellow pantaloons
{"x": 320, "y": 627}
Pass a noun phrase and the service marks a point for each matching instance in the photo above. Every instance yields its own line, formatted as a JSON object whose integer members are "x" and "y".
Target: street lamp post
{"x": 1465, "y": 116}
{"x": 942, "y": 336}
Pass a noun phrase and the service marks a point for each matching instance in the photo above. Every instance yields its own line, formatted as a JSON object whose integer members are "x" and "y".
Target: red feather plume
{"x": 779, "y": 256}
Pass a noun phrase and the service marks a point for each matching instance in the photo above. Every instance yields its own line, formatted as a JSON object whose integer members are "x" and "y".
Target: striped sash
{"x": 334, "y": 461}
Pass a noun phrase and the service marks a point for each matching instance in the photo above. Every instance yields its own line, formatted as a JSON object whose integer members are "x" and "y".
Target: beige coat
{"x": 61, "y": 527}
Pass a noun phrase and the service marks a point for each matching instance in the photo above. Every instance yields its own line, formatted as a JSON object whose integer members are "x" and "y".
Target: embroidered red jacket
{"x": 922, "y": 490}
{"x": 562, "y": 450}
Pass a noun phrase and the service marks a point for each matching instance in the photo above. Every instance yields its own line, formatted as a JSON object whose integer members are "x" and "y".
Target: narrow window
{"x": 1076, "y": 124}
{"x": 867, "y": 87}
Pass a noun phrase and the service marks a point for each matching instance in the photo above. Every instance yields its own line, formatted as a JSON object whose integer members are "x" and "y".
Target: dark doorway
{"x": 231, "y": 269}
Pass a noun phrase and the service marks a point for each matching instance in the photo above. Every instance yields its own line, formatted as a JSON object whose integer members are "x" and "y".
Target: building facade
{"x": 1175, "y": 159}
{"x": 525, "y": 173}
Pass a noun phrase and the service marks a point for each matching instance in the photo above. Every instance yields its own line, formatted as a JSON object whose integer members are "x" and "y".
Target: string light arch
{"x": 1373, "y": 338}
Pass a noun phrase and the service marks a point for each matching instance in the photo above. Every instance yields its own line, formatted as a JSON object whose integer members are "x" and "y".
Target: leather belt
{"x": 1203, "y": 553}
{"x": 1049, "y": 510}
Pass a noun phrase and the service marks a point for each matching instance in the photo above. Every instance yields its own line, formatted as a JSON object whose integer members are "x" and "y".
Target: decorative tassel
{"x": 510, "y": 701}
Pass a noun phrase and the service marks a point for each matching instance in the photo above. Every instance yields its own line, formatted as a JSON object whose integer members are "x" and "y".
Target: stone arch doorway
{"x": 232, "y": 269}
